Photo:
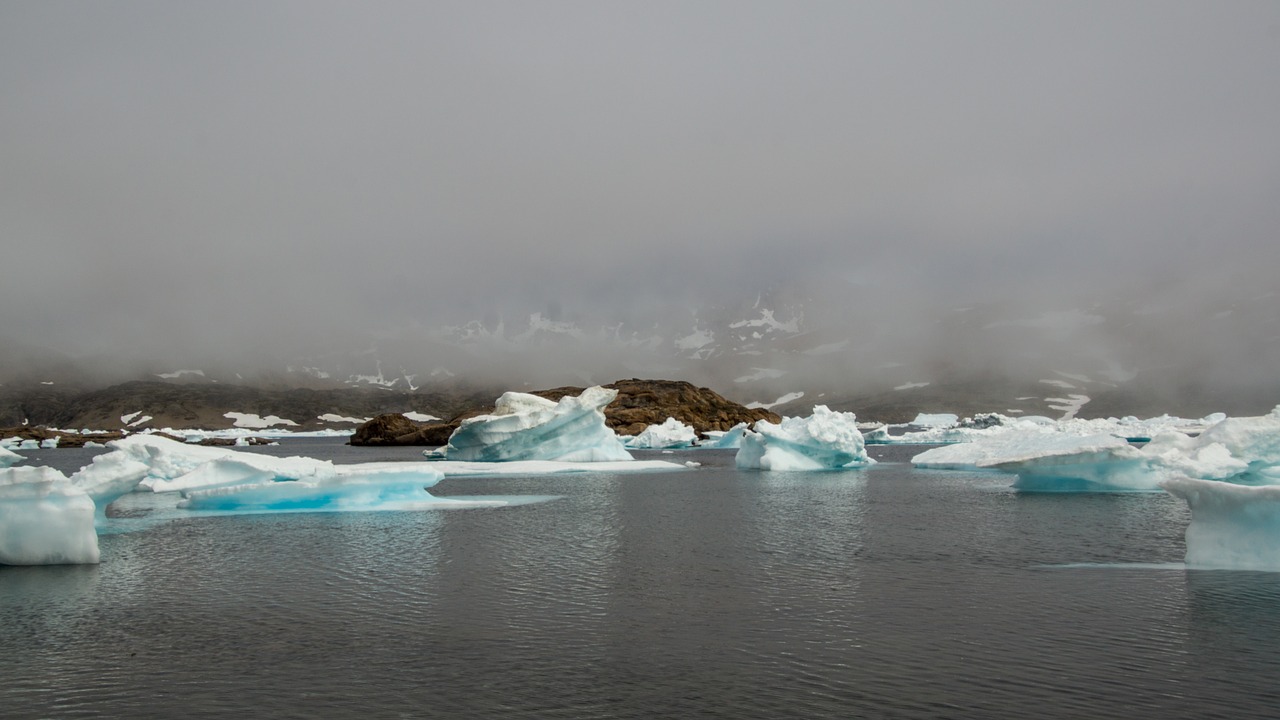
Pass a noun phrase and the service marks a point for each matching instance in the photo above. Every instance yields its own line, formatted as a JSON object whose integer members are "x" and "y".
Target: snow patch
{"x": 251, "y": 420}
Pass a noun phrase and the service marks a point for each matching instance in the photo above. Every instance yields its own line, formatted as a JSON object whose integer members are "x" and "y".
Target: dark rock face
{"x": 640, "y": 403}
{"x": 383, "y": 430}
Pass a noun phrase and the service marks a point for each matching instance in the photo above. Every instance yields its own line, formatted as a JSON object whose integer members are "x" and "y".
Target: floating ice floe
{"x": 987, "y": 425}
{"x": 1233, "y": 527}
{"x": 44, "y": 519}
{"x": 670, "y": 434}
{"x": 1069, "y": 463}
{"x": 1239, "y": 450}
{"x": 9, "y": 457}
{"x": 730, "y": 439}
{"x": 528, "y": 427}
{"x": 215, "y": 478}
{"x": 824, "y": 440}
{"x": 935, "y": 420}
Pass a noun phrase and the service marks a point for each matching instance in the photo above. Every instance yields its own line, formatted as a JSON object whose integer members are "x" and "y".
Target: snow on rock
{"x": 45, "y": 519}
{"x": 420, "y": 417}
{"x": 528, "y": 427}
{"x": 670, "y": 434}
{"x": 251, "y": 420}
{"x": 760, "y": 374}
{"x": 1234, "y": 527}
{"x": 336, "y": 418}
{"x": 824, "y": 440}
{"x": 782, "y": 400}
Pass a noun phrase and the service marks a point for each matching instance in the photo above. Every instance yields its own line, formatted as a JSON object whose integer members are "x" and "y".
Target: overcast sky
{"x": 232, "y": 173}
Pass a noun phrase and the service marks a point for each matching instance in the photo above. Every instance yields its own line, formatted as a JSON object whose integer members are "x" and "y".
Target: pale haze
{"x": 244, "y": 181}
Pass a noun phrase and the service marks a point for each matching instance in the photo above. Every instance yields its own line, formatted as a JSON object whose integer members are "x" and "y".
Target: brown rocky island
{"x": 640, "y": 403}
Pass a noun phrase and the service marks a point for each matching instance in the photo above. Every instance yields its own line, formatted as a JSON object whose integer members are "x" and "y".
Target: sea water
{"x": 882, "y": 592}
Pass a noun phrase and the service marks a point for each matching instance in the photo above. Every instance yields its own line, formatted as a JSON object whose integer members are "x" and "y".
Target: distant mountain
{"x": 882, "y": 357}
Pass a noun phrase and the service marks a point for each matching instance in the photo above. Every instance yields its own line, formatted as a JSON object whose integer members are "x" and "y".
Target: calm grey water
{"x": 887, "y": 592}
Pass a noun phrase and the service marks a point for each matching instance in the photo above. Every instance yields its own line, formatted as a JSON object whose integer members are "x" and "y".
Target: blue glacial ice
{"x": 227, "y": 480}
{"x": 669, "y": 435}
{"x": 1067, "y": 463}
{"x": 1235, "y": 527}
{"x": 826, "y": 440}
{"x": 528, "y": 427}
{"x": 369, "y": 487}
{"x": 45, "y": 519}
{"x": 1053, "y": 459}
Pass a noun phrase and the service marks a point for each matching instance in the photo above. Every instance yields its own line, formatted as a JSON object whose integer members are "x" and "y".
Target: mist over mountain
{"x": 858, "y": 202}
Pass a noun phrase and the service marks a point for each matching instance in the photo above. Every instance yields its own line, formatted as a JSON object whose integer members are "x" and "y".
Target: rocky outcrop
{"x": 640, "y": 403}
{"x": 65, "y": 439}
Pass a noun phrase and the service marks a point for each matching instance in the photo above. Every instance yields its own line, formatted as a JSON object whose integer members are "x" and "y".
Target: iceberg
{"x": 1055, "y": 459}
{"x": 45, "y": 519}
{"x": 9, "y": 458}
{"x": 108, "y": 477}
{"x": 368, "y": 487}
{"x": 1067, "y": 463}
{"x": 825, "y": 440}
{"x": 730, "y": 439}
{"x": 528, "y": 427}
{"x": 1235, "y": 527}
{"x": 670, "y": 434}
{"x": 935, "y": 420}
{"x": 228, "y": 480}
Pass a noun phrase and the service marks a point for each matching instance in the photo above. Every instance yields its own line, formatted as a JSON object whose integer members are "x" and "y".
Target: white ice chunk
{"x": 528, "y": 427}
{"x": 242, "y": 468}
{"x": 1255, "y": 440}
{"x": 108, "y": 477}
{"x": 670, "y": 434}
{"x": 44, "y": 519}
{"x": 1066, "y": 463}
{"x": 824, "y": 440}
{"x": 1232, "y": 526}
{"x": 731, "y": 439}
{"x": 9, "y": 457}
{"x": 935, "y": 420}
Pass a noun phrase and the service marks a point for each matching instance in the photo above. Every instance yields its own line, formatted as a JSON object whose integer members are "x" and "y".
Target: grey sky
{"x": 223, "y": 175}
